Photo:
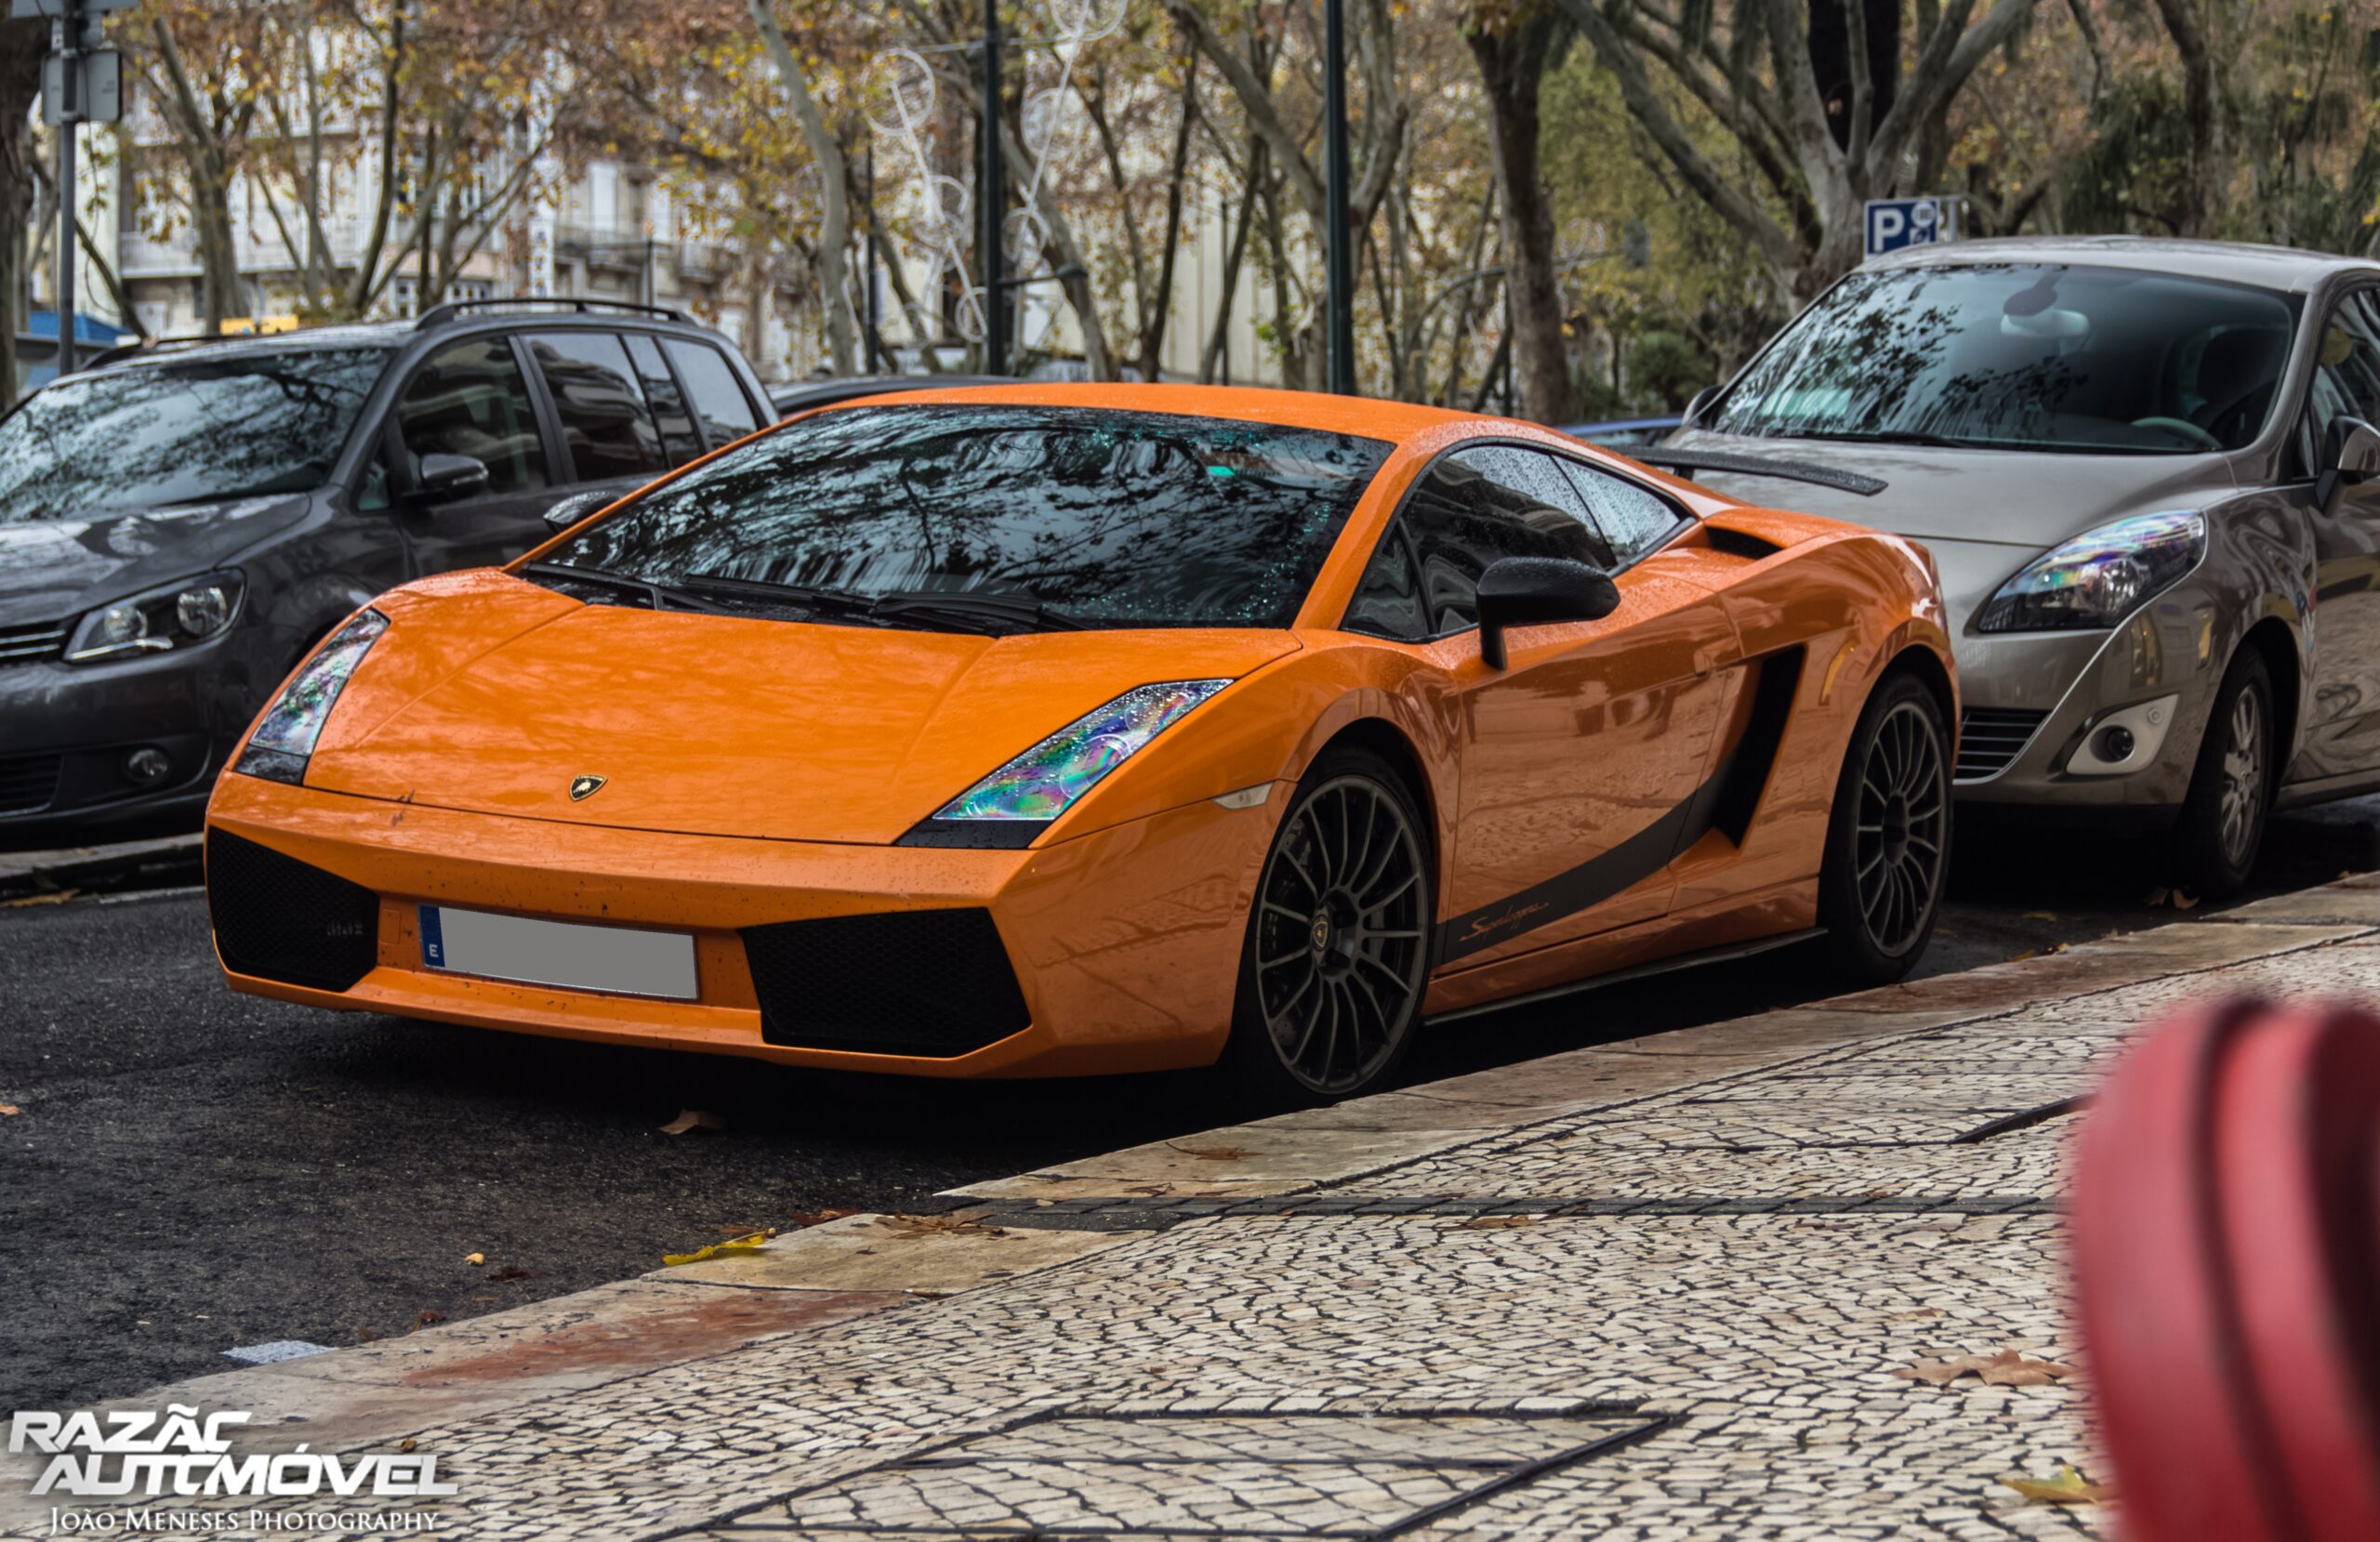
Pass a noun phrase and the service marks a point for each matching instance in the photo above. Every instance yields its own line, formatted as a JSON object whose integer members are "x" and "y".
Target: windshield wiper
{"x": 1022, "y": 612}
{"x": 660, "y": 596}
{"x": 761, "y": 588}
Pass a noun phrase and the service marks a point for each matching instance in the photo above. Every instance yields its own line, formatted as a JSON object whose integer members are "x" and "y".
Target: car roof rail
{"x": 134, "y": 348}
{"x": 439, "y": 314}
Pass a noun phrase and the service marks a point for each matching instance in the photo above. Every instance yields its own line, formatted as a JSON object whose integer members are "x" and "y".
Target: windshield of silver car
{"x": 988, "y": 518}
{"x": 195, "y": 430}
{"x": 2018, "y": 356}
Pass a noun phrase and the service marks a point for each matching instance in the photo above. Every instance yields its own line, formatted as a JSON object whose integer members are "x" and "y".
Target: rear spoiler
{"x": 1756, "y": 466}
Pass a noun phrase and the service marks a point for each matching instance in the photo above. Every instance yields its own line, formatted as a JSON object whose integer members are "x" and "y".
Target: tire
{"x": 1338, "y": 948}
{"x": 1888, "y": 839}
{"x": 2222, "y": 823}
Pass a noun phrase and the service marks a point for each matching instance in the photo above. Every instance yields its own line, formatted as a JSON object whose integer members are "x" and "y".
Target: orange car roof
{"x": 1394, "y": 421}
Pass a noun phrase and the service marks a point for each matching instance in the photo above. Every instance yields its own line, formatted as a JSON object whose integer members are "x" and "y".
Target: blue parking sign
{"x": 1893, "y": 223}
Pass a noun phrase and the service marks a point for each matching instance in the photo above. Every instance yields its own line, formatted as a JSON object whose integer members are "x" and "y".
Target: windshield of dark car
{"x": 2024, "y": 357}
{"x": 1111, "y": 519}
{"x": 144, "y": 436}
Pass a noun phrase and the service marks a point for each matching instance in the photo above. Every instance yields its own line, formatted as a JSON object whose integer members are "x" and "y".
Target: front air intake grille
{"x": 42, "y": 639}
{"x": 1989, "y": 737}
{"x": 27, "y": 782}
{"x": 926, "y": 982}
{"x": 279, "y": 918}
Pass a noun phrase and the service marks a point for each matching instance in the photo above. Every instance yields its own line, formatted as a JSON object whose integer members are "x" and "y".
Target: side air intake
{"x": 279, "y": 918}
{"x": 925, "y": 983}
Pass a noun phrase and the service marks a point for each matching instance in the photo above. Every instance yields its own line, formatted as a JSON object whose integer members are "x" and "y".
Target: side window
{"x": 720, "y": 401}
{"x": 2347, "y": 376}
{"x": 604, "y": 416}
{"x": 679, "y": 440}
{"x": 1483, "y": 503}
{"x": 471, "y": 400}
{"x": 1634, "y": 519}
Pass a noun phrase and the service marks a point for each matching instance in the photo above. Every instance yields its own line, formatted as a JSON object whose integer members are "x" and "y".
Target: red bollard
{"x": 2227, "y": 1260}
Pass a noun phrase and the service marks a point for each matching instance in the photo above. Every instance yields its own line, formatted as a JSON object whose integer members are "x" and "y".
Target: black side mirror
{"x": 443, "y": 478}
{"x": 1700, "y": 400}
{"x": 2352, "y": 457}
{"x": 1530, "y": 591}
{"x": 568, "y": 512}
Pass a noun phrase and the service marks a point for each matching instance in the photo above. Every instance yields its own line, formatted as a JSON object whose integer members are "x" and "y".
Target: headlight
{"x": 1010, "y": 806}
{"x": 285, "y": 738}
{"x": 2100, "y": 576}
{"x": 174, "y": 616}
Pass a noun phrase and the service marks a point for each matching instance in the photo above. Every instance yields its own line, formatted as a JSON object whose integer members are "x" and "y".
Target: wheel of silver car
{"x": 1338, "y": 948}
{"x": 1904, "y": 809}
{"x": 2242, "y": 787}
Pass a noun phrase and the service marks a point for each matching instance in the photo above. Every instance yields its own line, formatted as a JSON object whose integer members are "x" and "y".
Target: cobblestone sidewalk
{"x": 1652, "y": 1290}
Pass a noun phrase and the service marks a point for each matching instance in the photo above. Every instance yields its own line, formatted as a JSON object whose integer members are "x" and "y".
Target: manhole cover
{"x": 1161, "y": 1475}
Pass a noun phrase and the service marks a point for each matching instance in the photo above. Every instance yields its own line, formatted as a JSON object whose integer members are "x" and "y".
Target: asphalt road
{"x": 193, "y": 1170}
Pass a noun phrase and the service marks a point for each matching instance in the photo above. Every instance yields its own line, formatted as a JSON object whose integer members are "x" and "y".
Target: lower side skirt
{"x": 1636, "y": 971}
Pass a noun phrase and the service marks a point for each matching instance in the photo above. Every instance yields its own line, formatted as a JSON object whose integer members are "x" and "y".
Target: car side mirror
{"x": 568, "y": 512}
{"x": 2353, "y": 458}
{"x": 1702, "y": 398}
{"x": 1530, "y": 591}
{"x": 444, "y": 478}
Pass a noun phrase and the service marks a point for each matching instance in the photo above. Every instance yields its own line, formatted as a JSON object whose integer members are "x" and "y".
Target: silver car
{"x": 2148, "y": 471}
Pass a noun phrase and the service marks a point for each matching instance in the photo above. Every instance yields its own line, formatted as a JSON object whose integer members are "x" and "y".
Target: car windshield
{"x": 1097, "y": 518}
{"x": 195, "y": 430}
{"x": 2015, "y": 356}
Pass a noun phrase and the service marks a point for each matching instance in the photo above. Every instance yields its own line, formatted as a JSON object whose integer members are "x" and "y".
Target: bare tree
{"x": 1513, "y": 51}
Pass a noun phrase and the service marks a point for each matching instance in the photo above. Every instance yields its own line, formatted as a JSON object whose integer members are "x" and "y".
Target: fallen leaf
{"x": 510, "y": 1271}
{"x": 475, "y": 1258}
{"x": 428, "y": 1317}
{"x": 2185, "y": 901}
{"x": 1215, "y": 1153}
{"x": 959, "y": 1221}
{"x": 2040, "y": 916}
{"x": 484, "y": 1299}
{"x": 818, "y": 1218}
{"x": 2020, "y": 958}
{"x": 749, "y": 1243}
{"x": 10, "y": 1111}
{"x": 692, "y": 1118}
{"x": 1491, "y": 1224}
{"x": 2005, "y": 1368}
{"x": 59, "y": 898}
{"x": 1913, "y": 1316}
{"x": 2068, "y": 1487}
{"x": 408, "y": 1444}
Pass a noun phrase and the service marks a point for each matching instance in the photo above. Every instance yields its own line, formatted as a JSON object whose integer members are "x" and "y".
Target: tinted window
{"x": 1634, "y": 519}
{"x": 719, "y": 402}
{"x": 471, "y": 400}
{"x": 679, "y": 441}
{"x": 2347, "y": 376}
{"x": 1481, "y": 504}
{"x": 1112, "y": 519}
{"x": 2021, "y": 356}
{"x": 147, "y": 435}
{"x": 604, "y": 416}
{"x": 1388, "y": 602}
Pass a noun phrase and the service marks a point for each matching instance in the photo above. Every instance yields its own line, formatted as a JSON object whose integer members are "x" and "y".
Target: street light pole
{"x": 1337, "y": 256}
{"x": 991, "y": 202}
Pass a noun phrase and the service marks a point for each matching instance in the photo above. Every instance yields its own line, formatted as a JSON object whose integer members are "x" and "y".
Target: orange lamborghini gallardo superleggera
{"x": 1044, "y": 729}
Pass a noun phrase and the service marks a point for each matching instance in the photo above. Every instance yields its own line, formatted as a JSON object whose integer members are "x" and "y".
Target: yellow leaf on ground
{"x": 10, "y": 1111}
{"x": 475, "y": 1258}
{"x": 716, "y": 1249}
{"x": 692, "y": 1118}
{"x": 2067, "y": 1487}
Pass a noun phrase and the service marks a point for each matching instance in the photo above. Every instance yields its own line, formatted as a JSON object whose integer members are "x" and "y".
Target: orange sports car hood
{"x": 496, "y": 702}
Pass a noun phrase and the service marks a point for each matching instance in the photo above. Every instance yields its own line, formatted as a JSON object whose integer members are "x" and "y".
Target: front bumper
{"x": 1125, "y": 942}
{"x": 2177, "y": 645}
{"x": 66, "y": 730}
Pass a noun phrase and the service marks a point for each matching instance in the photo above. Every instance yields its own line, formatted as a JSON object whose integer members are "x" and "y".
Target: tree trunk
{"x": 22, "y": 46}
{"x": 834, "y": 189}
{"x": 1831, "y": 59}
{"x": 2201, "y": 115}
{"x": 1512, "y": 65}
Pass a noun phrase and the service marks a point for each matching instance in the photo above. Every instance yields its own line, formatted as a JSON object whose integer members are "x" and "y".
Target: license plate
{"x": 619, "y": 960}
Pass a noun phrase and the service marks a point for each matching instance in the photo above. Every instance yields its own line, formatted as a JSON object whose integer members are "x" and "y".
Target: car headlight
{"x": 2098, "y": 577}
{"x": 285, "y": 738}
{"x": 174, "y": 617}
{"x": 1012, "y": 805}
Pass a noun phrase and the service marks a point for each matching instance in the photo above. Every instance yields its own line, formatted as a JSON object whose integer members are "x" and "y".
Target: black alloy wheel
{"x": 1888, "y": 848}
{"x": 1338, "y": 949}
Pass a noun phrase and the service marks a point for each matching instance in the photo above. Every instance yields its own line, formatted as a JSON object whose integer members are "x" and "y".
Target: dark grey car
{"x": 2147, "y": 471}
{"x": 179, "y": 528}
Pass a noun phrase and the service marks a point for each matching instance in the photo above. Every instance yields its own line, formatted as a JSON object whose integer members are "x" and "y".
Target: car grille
{"x": 42, "y": 639}
{"x": 1989, "y": 737}
{"x": 926, "y": 982}
{"x": 279, "y": 918}
{"x": 27, "y": 782}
